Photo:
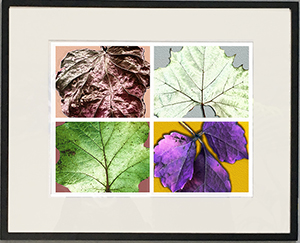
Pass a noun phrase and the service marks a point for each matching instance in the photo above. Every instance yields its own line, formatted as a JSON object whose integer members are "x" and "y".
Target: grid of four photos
{"x": 158, "y": 119}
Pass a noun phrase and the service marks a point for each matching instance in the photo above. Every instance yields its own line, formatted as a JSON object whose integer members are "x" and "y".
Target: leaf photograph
{"x": 201, "y": 157}
{"x": 201, "y": 79}
{"x": 102, "y": 157}
{"x": 103, "y": 81}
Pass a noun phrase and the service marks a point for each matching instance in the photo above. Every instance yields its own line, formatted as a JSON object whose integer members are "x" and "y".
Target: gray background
{"x": 26, "y": 241}
{"x": 162, "y": 56}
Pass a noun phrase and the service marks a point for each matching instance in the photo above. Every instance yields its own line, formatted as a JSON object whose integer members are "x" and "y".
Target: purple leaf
{"x": 209, "y": 175}
{"x": 174, "y": 158}
{"x": 227, "y": 139}
{"x": 110, "y": 82}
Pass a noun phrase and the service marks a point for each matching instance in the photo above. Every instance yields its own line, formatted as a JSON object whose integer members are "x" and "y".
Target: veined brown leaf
{"x": 110, "y": 82}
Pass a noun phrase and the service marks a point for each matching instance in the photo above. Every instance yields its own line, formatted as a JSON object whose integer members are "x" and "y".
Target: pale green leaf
{"x": 201, "y": 75}
{"x": 102, "y": 156}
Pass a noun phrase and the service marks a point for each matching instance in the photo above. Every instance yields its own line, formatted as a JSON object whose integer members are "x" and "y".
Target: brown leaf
{"x": 110, "y": 82}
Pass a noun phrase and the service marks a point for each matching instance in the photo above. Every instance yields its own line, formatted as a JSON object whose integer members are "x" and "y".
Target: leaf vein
{"x": 176, "y": 103}
{"x": 236, "y": 108}
{"x": 87, "y": 153}
{"x": 194, "y": 59}
{"x": 232, "y": 87}
{"x": 125, "y": 171}
{"x": 88, "y": 136}
{"x": 232, "y": 146}
{"x": 124, "y": 144}
{"x": 189, "y": 76}
{"x": 74, "y": 172}
{"x": 217, "y": 76}
{"x": 178, "y": 90}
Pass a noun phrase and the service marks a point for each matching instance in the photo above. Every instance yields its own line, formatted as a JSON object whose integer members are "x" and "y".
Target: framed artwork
{"x": 118, "y": 125}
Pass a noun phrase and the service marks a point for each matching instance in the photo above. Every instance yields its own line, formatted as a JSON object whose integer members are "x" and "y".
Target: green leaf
{"x": 201, "y": 75}
{"x": 102, "y": 156}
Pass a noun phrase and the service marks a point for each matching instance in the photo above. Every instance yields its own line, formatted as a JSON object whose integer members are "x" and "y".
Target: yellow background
{"x": 238, "y": 172}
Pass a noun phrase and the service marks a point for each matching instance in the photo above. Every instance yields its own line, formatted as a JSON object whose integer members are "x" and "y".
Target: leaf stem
{"x": 198, "y": 136}
{"x": 202, "y": 90}
{"x": 203, "y": 112}
{"x": 188, "y": 128}
{"x": 107, "y": 189}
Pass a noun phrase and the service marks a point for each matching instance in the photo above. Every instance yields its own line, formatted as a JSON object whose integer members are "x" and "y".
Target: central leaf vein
{"x": 105, "y": 159}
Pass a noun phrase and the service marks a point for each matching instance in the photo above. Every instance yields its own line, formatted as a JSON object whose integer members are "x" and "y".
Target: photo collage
{"x": 151, "y": 119}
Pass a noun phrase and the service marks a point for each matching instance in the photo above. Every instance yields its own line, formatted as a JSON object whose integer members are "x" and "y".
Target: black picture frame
{"x": 294, "y": 87}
